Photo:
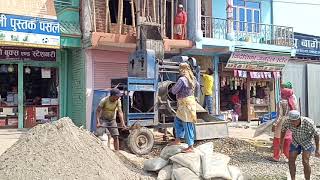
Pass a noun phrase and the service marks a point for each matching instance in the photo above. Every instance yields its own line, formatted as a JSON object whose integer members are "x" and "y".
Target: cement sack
{"x": 176, "y": 166}
{"x": 169, "y": 151}
{"x": 104, "y": 137}
{"x": 191, "y": 160}
{"x": 155, "y": 164}
{"x": 215, "y": 165}
{"x": 184, "y": 174}
{"x": 235, "y": 173}
{"x": 206, "y": 148}
{"x": 165, "y": 173}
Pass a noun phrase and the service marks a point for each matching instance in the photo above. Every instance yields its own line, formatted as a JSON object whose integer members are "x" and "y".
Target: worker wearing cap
{"x": 303, "y": 132}
{"x": 106, "y": 115}
{"x": 186, "y": 114}
{"x": 180, "y": 23}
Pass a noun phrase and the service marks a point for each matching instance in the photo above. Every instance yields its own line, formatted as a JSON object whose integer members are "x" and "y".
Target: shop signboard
{"x": 25, "y": 54}
{"x": 307, "y": 45}
{"x": 258, "y": 62}
{"x": 29, "y": 31}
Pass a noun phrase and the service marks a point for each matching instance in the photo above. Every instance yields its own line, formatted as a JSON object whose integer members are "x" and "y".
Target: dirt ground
{"x": 251, "y": 155}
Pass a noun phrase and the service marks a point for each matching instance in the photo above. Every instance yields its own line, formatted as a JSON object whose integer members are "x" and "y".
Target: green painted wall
{"x": 76, "y": 97}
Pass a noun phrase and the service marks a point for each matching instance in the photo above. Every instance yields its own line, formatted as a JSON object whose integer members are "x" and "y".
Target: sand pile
{"x": 62, "y": 151}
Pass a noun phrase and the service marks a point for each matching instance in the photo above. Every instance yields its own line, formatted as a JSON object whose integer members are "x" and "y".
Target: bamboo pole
{"x": 172, "y": 18}
{"x": 133, "y": 15}
{"x": 94, "y": 16}
{"x": 107, "y": 16}
{"x": 154, "y": 10}
{"x": 164, "y": 17}
{"x": 148, "y": 8}
{"x": 120, "y": 15}
{"x": 144, "y": 8}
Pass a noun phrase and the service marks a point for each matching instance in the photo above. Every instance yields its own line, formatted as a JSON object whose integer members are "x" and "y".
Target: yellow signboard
{"x": 33, "y": 8}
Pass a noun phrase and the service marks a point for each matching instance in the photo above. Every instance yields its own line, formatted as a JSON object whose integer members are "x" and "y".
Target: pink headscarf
{"x": 288, "y": 95}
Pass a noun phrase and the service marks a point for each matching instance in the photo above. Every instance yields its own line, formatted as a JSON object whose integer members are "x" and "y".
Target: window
{"x": 246, "y": 15}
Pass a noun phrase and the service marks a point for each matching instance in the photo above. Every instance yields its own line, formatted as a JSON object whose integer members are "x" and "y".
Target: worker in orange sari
{"x": 180, "y": 24}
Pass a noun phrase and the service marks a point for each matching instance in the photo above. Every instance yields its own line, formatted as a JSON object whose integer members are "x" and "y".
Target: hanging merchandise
{"x": 232, "y": 83}
{"x": 224, "y": 81}
{"x": 236, "y": 84}
{"x": 3, "y": 69}
{"x": 10, "y": 68}
{"x": 27, "y": 70}
{"x": 235, "y": 73}
{"x": 228, "y": 81}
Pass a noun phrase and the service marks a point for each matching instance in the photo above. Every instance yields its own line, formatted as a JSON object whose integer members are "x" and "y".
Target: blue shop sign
{"x": 307, "y": 45}
{"x": 29, "y": 31}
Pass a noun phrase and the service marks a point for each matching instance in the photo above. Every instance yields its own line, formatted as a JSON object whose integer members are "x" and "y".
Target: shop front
{"x": 29, "y": 86}
{"x": 250, "y": 84}
{"x": 30, "y": 69}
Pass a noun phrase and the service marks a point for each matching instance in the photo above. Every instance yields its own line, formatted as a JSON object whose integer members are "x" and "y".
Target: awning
{"x": 70, "y": 34}
{"x": 257, "y": 61}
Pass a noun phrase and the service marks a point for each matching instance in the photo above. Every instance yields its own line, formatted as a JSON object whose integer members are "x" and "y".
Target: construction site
{"x": 152, "y": 89}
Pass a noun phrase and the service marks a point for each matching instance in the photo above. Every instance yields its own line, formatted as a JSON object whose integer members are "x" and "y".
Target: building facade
{"x": 303, "y": 72}
{"x": 110, "y": 35}
{"x": 36, "y": 49}
{"x": 238, "y": 40}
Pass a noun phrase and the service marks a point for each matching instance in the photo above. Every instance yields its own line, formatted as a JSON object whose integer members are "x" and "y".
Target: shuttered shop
{"x": 108, "y": 65}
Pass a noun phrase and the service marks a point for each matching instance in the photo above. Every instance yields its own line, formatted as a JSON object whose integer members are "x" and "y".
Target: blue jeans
{"x": 299, "y": 149}
{"x": 184, "y": 130}
{"x": 208, "y": 103}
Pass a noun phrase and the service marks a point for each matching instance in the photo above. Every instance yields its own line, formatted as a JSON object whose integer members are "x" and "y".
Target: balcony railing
{"x": 217, "y": 28}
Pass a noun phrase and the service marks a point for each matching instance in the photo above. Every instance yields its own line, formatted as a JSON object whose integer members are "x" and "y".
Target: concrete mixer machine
{"x": 148, "y": 103}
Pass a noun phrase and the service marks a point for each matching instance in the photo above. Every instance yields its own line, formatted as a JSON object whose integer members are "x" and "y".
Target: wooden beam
{"x": 94, "y": 16}
{"x": 133, "y": 15}
{"x": 120, "y": 15}
{"x": 154, "y": 11}
{"x": 144, "y": 8}
{"x": 172, "y": 18}
{"x": 164, "y": 17}
{"x": 148, "y": 8}
{"x": 107, "y": 16}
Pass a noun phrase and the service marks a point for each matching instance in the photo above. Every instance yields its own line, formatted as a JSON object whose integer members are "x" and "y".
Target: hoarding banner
{"x": 252, "y": 61}
{"x": 307, "y": 45}
{"x": 29, "y": 31}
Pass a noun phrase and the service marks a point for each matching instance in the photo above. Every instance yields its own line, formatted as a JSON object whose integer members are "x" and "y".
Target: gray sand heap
{"x": 62, "y": 151}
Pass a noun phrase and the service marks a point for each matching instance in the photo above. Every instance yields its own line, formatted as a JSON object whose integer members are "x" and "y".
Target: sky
{"x": 303, "y": 17}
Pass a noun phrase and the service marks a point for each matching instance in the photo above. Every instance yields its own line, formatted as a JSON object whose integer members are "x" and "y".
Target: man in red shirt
{"x": 180, "y": 23}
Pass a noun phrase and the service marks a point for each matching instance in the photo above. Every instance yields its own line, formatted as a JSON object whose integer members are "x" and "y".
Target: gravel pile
{"x": 254, "y": 164}
{"x": 63, "y": 151}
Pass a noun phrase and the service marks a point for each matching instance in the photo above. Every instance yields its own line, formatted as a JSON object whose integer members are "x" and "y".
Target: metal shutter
{"x": 297, "y": 74}
{"x": 313, "y": 92}
{"x": 105, "y": 71}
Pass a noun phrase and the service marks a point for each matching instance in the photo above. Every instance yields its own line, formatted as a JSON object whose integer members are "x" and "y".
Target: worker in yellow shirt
{"x": 106, "y": 114}
{"x": 207, "y": 80}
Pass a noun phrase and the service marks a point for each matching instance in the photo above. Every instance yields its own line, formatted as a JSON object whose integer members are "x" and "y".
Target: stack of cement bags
{"x": 203, "y": 163}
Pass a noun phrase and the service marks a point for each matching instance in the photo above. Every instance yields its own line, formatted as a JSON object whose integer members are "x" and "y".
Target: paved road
{"x": 8, "y": 137}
